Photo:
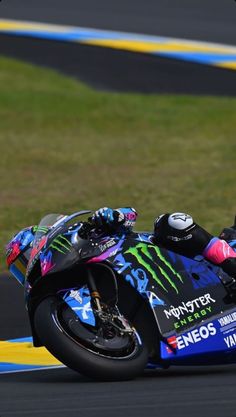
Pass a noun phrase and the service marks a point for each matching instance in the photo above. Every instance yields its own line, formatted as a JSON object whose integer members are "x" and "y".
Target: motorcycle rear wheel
{"x": 57, "y": 335}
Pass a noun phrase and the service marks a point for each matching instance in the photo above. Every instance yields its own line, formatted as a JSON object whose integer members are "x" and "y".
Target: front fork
{"x": 107, "y": 316}
{"x": 95, "y": 296}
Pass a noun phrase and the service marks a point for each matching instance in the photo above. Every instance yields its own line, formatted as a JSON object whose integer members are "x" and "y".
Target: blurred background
{"x": 90, "y": 126}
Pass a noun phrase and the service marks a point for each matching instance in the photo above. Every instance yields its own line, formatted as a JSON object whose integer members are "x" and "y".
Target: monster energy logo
{"x": 61, "y": 244}
{"x": 40, "y": 229}
{"x": 142, "y": 253}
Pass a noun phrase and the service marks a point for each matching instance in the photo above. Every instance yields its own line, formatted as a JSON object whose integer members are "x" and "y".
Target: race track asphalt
{"x": 171, "y": 393}
{"x": 114, "y": 70}
{"x": 207, "y": 20}
{"x": 202, "y": 391}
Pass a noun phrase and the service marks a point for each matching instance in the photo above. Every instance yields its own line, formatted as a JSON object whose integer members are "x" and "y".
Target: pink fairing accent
{"x": 218, "y": 250}
{"x": 99, "y": 258}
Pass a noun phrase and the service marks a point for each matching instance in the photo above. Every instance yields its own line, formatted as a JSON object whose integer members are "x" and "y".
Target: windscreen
{"x": 55, "y": 220}
{"x": 46, "y": 223}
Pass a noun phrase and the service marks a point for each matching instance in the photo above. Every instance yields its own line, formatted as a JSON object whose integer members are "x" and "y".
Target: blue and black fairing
{"x": 163, "y": 278}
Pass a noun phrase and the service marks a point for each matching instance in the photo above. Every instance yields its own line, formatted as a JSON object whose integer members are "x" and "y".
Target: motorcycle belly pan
{"x": 212, "y": 341}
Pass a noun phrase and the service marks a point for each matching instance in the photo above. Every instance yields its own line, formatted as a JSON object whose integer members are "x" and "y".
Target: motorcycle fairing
{"x": 164, "y": 278}
{"x": 173, "y": 281}
{"x": 16, "y": 253}
{"x": 173, "y": 285}
{"x": 55, "y": 237}
{"x": 167, "y": 280}
{"x": 213, "y": 338}
{"x": 79, "y": 301}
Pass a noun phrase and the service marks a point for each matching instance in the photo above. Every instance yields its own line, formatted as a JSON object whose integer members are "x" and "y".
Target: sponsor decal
{"x": 230, "y": 318}
{"x": 40, "y": 229}
{"x": 76, "y": 295}
{"x": 108, "y": 252}
{"x": 107, "y": 245}
{"x": 189, "y": 306}
{"x": 129, "y": 223}
{"x": 196, "y": 336}
{"x": 172, "y": 344}
{"x": 178, "y": 239}
{"x": 230, "y": 340}
{"x": 79, "y": 301}
{"x": 154, "y": 300}
{"x": 181, "y": 216}
{"x": 198, "y": 308}
{"x": 61, "y": 244}
{"x": 192, "y": 337}
{"x": 228, "y": 322}
{"x": 162, "y": 271}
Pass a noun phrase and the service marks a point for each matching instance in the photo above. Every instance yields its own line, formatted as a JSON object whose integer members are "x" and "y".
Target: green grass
{"x": 66, "y": 147}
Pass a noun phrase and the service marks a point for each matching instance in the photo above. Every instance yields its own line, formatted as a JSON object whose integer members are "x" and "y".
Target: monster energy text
{"x": 199, "y": 307}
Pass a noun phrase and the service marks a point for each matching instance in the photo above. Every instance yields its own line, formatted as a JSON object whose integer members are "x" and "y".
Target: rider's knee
{"x": 179, "y": 232}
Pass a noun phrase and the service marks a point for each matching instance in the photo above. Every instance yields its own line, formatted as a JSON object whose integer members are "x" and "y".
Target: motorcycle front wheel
{"x": 103, "y": 352}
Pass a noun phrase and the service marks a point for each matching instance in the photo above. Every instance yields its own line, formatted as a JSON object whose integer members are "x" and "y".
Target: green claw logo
{"x": 142, "y": 251}
{"x": 41, "y": 229}
{"x": 61, "y": 244}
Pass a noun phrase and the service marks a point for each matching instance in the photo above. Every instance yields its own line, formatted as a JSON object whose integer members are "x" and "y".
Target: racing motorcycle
{"x": 108, "y": 306}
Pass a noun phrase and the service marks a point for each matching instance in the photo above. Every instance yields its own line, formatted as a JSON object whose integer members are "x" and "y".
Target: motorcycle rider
{"x": 177, "y": 232}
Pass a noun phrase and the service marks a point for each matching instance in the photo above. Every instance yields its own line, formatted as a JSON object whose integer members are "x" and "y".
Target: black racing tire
{"x": 76, "y": 356}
